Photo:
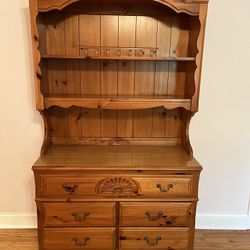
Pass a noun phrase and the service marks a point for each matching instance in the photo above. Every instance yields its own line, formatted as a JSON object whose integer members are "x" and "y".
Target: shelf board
{"x": 97, "y": 157}
{"x": 117, "y": 101}
{"x": 135, "y": 58}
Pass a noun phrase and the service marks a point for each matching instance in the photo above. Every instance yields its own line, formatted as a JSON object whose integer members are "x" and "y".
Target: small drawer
{"x": 78, "y": 214}
{"x": 154, "y": 238}
{"x": 78, "y": 238}
{"x": 156, "y": 214}
{"x": 69, "y": 186}
{"x": 166, "y": 186}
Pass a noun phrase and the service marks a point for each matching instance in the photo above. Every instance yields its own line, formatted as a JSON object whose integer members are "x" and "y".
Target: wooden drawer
{"x": 101, "y": 185}
{"x": 154, "y": 238}
{"x": 156, "y": 214}
{"x": 77, "y": 214}
{"x": 78, "y": 238}
{"x": 166, "y": 185}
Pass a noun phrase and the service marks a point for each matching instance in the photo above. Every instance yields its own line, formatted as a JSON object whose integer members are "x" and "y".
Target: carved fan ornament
{"x": 117, "y": 185}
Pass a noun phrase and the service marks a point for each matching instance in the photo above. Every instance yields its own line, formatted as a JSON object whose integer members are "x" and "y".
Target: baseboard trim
{"x": 223, "y": 222}
{"x": 203, "y": 221}
{"x": 17, "y": 220}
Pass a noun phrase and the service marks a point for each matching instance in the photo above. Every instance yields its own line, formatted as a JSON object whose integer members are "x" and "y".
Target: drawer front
{"x": 156, "y": 214}
{"x": 78, "y": 238}
{"x": 154, "y": 238}
{"x": 78, "y": 214}
{"x": 126, "y": 186}
{"x": 69, "y": 186}
{"x": 166, "y": 186}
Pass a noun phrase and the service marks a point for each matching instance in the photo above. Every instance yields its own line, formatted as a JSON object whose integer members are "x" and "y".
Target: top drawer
{"x": 112, "y": 186}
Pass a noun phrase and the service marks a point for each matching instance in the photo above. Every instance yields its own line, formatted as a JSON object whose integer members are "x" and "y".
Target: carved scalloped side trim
{"x": 180, "y": 7}
{"x": 46, "y": 141}
{"x": 176, "y": 5}
{"x": 36, "y": 54}
{"x": 198, "y": 61}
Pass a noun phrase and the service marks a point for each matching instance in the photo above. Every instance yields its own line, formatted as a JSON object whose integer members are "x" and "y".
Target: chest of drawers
{"x": 83, "y": 206}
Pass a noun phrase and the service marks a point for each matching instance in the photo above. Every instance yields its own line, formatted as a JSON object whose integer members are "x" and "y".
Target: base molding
{"x": 17, "y": 221}
{"x": 203, "y": 221}
{"x": 223, "y": 222}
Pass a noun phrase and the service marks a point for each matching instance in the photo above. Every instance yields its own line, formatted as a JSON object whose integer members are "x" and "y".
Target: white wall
{"x": 220, "y": 132}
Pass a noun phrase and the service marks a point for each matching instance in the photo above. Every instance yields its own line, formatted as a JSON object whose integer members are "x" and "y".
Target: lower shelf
{"x": 117, "y": 101}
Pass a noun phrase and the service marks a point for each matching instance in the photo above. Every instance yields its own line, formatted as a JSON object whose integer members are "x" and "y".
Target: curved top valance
{"x": 191, "y": 7}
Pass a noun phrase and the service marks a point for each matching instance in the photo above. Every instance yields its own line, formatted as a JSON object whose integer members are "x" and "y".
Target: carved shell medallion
{"x": 117, "y": 185}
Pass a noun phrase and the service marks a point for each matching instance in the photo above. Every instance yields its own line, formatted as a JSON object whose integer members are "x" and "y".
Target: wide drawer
{"x": 77, "y": 214}
{"x": 140, "y": 185}
{"x": 78, "y": 238}
{"x": 156, "y": 214}
{"x": 154, "y": 238}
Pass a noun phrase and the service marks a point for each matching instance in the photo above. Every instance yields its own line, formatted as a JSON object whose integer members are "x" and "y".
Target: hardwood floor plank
{"x": 204, "y": 240}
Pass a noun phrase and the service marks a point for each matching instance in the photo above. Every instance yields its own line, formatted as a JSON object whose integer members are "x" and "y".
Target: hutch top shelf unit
{"x": 113, "y": 69}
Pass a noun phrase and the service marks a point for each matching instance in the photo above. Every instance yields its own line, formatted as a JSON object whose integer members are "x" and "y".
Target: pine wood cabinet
{"x": 117, "y": 83}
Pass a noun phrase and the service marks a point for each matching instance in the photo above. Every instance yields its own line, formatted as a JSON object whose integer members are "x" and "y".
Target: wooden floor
{"x": 205, "y": 240}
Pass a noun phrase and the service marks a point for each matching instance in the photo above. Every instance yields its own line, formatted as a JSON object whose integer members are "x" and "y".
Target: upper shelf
{"x": 117, "y": 101}
{"x": 135, "y": 58}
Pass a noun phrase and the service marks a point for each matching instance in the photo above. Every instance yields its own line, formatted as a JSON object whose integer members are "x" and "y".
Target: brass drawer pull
{"x": 151, "y": 217}
{"x": 164, "y": 190}
{"x": 78, "y": 217}
{"x": 70, "y": 189}
{"x": 152, "y": 242}
{"x": 81, "y": 243}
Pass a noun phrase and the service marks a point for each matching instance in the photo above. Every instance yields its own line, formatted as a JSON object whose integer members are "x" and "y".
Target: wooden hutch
{"x": 117, "y": 83}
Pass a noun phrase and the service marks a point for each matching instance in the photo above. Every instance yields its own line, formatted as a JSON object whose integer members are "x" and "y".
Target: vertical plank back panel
{"x": 146, "y": 31}
{"x": 90, "y": 26}
{"x": 91, "y": 123}
{"x": 179, "y": 36}
{"x": 127, "y": 31}
{"x": 57, "y": 76}
{"x": 159, "y": 122}
{"x": 55, "y": 35}
{"x": 164, "y": 36}
{"x": 109, "y": 30}
{"x": 72, "y": 38}
{"x": 90, "y": 77}
{"x": 58, "y": 122}
{"x": 74, "y": 122}
{"x": 173, "y": 124}
{"x": 143, "y": 123}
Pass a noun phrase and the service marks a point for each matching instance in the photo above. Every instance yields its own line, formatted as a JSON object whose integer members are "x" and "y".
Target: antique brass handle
{"x": 152, "y": 242}
{"x": 79, "y": 242}
{"x": 70, "y": 189}
{"x": 80, "y": 217}
{"x": 154, "y": 217}
{"x": 165, "y": 190}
